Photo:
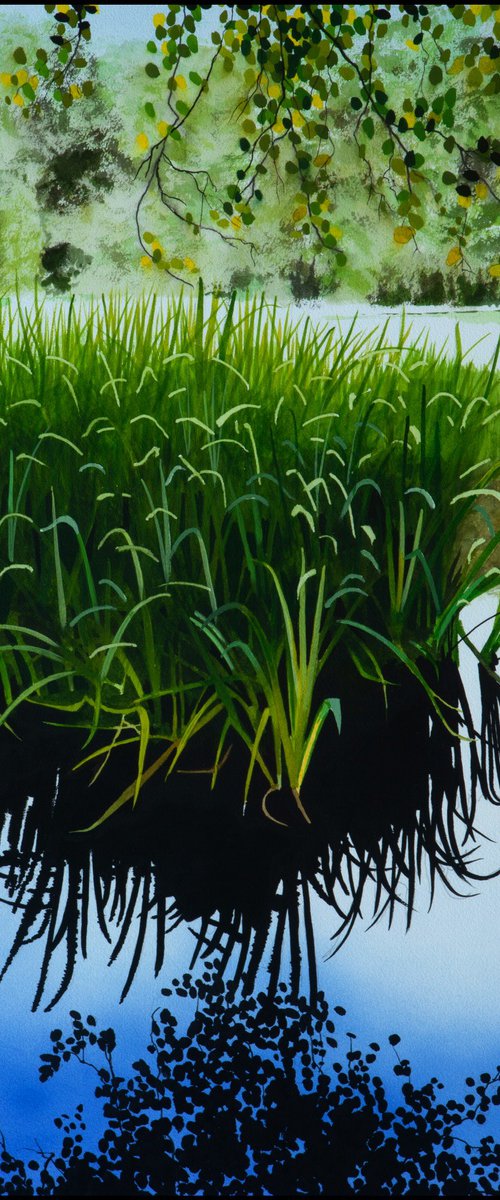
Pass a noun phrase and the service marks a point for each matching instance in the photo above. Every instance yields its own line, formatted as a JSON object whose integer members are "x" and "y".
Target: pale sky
{"x": 114, "y": 23}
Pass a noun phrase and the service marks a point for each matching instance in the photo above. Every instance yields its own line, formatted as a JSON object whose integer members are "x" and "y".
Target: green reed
{"x": 201, "y": 502}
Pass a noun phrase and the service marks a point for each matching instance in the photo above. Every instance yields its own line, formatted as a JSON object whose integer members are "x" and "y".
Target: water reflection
{"x": 391, "y": 802}
{"x": 258, "y": 1097}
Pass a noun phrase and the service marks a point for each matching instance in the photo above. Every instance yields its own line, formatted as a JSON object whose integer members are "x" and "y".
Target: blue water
{"x": 436, "y": 985}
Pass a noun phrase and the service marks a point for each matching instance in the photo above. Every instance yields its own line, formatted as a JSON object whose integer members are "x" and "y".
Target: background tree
{"x": 422, "y": 130}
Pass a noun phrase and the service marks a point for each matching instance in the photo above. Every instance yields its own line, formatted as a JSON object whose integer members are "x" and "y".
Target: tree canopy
{"x": 414, "y": 87}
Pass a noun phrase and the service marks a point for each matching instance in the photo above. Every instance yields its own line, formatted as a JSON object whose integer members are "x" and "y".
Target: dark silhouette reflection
{"x": 259, "y": 1097}
{"x": 394, "y": 795}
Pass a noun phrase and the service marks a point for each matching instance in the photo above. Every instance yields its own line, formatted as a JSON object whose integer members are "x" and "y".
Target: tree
{"x": 420, "y": 123}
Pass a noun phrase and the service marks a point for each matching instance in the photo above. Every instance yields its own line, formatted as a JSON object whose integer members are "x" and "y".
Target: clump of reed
{"x": 204, "y": 508}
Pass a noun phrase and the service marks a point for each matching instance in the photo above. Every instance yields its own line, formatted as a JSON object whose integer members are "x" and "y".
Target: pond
{"x": 302, "y": 855}
{"x": 478, "y": 329}
{"x": 436, "y": 983}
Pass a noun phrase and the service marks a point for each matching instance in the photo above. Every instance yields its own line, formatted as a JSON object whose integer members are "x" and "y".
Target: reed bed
{"x": 209, "y": 513}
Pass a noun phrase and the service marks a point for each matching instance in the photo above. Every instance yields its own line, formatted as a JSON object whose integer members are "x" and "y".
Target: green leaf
{"x": 328, "y": 706}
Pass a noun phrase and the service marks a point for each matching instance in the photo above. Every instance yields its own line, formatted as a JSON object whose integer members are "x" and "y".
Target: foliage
{"x": 434, "y": 287}
{"x": 303, "y": 281}
{"x": 59, "y": 69}
{"x": 252, "y": 1101}
{"x": 63, "y": 264}
{"x": 305, "y": 71}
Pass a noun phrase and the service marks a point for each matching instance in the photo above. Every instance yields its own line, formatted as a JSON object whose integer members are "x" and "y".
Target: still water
{"x": 478, "y": 328}
{"x": 437, "y": 984}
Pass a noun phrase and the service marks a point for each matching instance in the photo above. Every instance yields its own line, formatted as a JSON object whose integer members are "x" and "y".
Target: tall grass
{"x": 200, "y": 507}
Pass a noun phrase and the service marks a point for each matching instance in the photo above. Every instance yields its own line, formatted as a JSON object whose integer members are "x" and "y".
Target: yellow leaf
{"x": 236, "y": 221}
{"x": 481, "y": 190}
{"x": 486, "y": 65}
{"x": 494, "y": 270}
{"x": 457, "y": 66}
{"x": 321, "y": 160}
{"x": 22, "y": 77}
{"x": 410, "y": 119}
{"x": 146, "y": 261}
{"x": 142, "y": 141}
{"x": 279, "y": 127}
{"x": 336, "y": 232}
{"x": 317, "y": 102}
{"x": 34, "y": 80}
{"x": 454, "y": 256}
{"x": 476, "y": 9}
{"x": 464, "y": 201}
{"x": 274, "y": 91}
{"x": 412, "y": 45}
{"x": 76, "y": 91}
{"x": 351, "y": 16}
{"x": 325, "y": 205}
{"x": 191, "y": 266}
{"x": 297, "y": 119}
{"x": 18, "y": 100}
{"x": 5, "y": 79}
{"x": 403, "y": 234}
{"x": 163, "y": 128}
{"x": 299, "y": 212}
{"x": 180, "y": 82}
{"x": 64, "y": 8}
{"x": 159, "y": 19}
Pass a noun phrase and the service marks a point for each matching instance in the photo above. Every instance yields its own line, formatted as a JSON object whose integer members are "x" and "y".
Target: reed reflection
{"x": 392, "y": 800}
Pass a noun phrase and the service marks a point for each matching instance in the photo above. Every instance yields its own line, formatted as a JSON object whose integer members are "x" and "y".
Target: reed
{"x": 203, "y": 503}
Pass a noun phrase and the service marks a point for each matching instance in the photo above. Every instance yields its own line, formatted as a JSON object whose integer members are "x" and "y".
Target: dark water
{"x": 383, "y": 837}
